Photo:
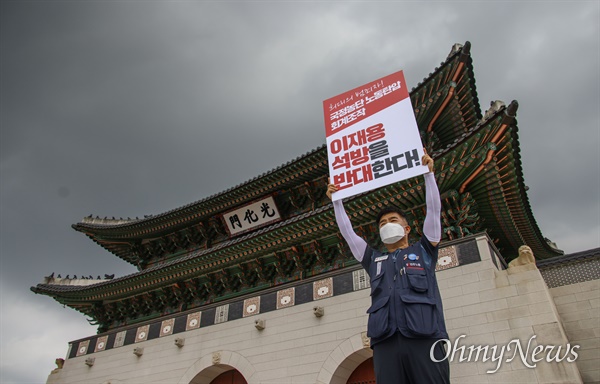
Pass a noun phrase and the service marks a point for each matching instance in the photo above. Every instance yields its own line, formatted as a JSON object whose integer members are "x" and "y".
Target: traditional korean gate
{"x": 229, "y": 377}
{"x": 363, "y": 374}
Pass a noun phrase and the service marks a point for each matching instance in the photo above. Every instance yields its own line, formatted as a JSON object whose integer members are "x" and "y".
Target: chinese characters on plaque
{"x": 372, "y": 137}
{"x": 251, "y": 216}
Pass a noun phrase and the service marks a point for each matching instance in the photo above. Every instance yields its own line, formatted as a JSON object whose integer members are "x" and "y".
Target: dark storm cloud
{"x": 133, "y": 108}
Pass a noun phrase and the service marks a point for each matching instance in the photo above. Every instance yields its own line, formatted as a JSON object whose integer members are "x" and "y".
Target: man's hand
{"x": 330, "y": 189}
{"x": 427, "y": 160}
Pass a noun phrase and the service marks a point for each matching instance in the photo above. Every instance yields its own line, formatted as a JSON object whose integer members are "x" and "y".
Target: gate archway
{"x": 363, "y": 374}
{"x": 212, "y": 365}
{"x": 343, "y": 360}
{"x": 230, "y": 377}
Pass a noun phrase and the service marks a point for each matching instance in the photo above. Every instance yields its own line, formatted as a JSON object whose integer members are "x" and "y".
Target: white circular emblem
{"x": 141, "y": 335}
{"x": 167, "y": 329}
{"x": 193, "y": 322}
{"x": 323, "y": 291}
{"x": 285, "y": 300}
{"x": 251, "y": 308}
{"x": 101, "y": 345}
{"x": 82, "y": 350}
{"x": 445, "y": 260}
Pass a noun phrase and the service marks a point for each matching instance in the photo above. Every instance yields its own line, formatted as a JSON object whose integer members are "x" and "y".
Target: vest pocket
{"x": 417, "y": 280}
{"x": 378, "y": 324}
{"x": 421, "y": 315}
{"x": 376, "y": 283}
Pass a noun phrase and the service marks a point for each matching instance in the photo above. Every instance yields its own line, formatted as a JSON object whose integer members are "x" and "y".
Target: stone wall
{"x": 575, "y": 288}
{"x": 483, "y": 301}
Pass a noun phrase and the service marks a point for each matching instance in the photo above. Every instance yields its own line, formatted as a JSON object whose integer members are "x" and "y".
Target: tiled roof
{"x": 90, "y": 223}
{"x": 570, "y": 258}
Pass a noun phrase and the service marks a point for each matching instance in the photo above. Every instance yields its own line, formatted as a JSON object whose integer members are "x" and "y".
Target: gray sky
{"x": 127, "y": 108}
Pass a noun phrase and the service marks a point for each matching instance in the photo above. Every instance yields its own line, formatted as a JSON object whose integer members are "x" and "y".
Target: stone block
{"x": 448, "y": 273}
{"x": 524, "y": 287}
{"x": 304, "y": 379}
{"x": 459, "y": 301}
{"x": 557, "y": 372}
{"x": 519, "y": 376}
{"x": 588, "y": 354}
{"x": 502, "y": 314}
{"x": 476, "y": 379}
{"x": 578, "y": 315}
{"x": 484, "y": 307}
{"x": 593, "y": 343}
{"x": 453, "y": 333}
{"x": 450, "y": 292}
{"x": 573, "y": 306}
{"x": 489, "y": 327}
{"x": 498, "y": 293}
{"x": 542, "y": 318}
{"x": 587, "y": 295}
{"x": 537, "y": 308}
{"x": 565, "y": 290}
{"x": 480, "y": 318}
{"x": 453, "y": 313}
{"x": 461, "y": 369}
{"x": 501, "y": 279}
{"x": 588, "y": 323}
{"x": 463, "y": 279}
{"x": 564, "y": 299}
{"x": 477, "y": 286}
{"x": 591, "y": 376}
{"x": 591, "y": 285}
{"x": 505, "y": 336}
{"x": 476, "y": 267}
{"x": 528, "y": 299}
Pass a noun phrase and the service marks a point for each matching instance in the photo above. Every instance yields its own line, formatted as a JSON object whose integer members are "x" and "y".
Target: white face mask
{"x": 391, "y": 233}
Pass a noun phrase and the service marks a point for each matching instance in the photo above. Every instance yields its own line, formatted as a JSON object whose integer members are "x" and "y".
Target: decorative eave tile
{"x": 101, "y": 343}
{"x": 120, "y": 339}
{"x": 193, "y": 321}
{"x": 142, "y": 333}
{"x": 360, "y": 280}
{"x": 166, "y": 327}
{"x": 251, "y": 306}
{"x": 286, "y": 298}
{"x": 82, "y": 348}
{"x": 447, "y": 258}
{"x": 222, "y": 314}
{"x": 323, "y": 289}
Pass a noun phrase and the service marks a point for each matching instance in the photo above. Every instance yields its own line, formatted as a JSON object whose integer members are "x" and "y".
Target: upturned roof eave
{"x": 527, "y": 220}
{"x": 92, "y": 228}
{"x": 150, "y": 220}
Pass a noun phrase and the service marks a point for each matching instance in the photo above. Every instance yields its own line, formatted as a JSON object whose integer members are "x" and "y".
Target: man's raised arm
{"x": 357, "y": 244}
{"x": 432, "y": 226}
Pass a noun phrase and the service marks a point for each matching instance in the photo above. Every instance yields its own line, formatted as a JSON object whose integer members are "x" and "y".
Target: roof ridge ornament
{"x": 465, "y": 49}
{"x": 495, "y": 106}
{"x": 106, "y": 221}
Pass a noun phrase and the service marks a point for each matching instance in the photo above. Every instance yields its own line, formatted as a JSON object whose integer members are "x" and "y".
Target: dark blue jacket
{"x": 404, "y": 293}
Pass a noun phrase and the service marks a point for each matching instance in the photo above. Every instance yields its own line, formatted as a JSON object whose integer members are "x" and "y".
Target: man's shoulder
{"x": 372, "y": 253}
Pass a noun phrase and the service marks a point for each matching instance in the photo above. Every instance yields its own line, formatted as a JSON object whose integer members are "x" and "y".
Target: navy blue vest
{"x": 404, "y": 293}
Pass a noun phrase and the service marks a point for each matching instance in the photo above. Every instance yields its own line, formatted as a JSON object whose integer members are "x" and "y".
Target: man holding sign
{"x": 406, "y": 316}
{"x": 372, "y": 141}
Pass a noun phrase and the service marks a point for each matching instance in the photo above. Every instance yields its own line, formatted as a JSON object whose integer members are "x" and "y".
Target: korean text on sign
{"x": 372, "y": 137}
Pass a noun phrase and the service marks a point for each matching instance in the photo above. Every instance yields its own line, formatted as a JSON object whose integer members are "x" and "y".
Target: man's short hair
{"x": 390, "y": 209}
